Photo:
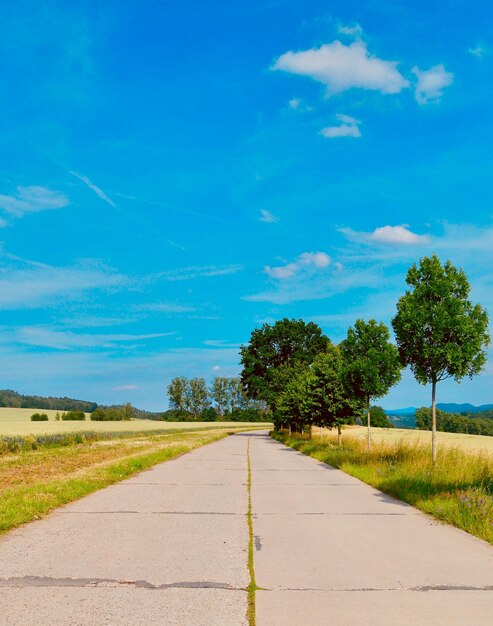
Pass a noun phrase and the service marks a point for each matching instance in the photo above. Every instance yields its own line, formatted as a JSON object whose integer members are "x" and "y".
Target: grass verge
{"x": 252, "y": 587}
{"x": 458, "y": 490}
{"x": 33, "y": 483}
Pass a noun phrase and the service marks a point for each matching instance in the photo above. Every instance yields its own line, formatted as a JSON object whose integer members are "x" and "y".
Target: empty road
{"x": 170, "y": 545}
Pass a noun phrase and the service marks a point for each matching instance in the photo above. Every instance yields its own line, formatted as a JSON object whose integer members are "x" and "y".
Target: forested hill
{"x": 16, "y": 400}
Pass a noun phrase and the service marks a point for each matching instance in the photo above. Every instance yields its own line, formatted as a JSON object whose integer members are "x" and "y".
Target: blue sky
{"x": 173, "y": 174}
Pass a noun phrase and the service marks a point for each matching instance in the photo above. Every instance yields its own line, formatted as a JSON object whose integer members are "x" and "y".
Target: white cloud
{"x": 32, "y": 199}
{"x": 341, "y": 67}
{"x": 430, "y": 83}
{"x": 125, "y": 388}
{"x": 268, "y": 217}
{"x": 306, "y": 260}
{"x": 97, "y": 190}
{"x": 353, "y": 31}
{"x": 216, "y": 368}
{"x": 478, "y": 51}
{"x": 349, "y": 127}
{"x": 400, "y": 235}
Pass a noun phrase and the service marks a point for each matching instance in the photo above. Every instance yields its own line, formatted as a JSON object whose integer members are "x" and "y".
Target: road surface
{"x": 169, "y": 547}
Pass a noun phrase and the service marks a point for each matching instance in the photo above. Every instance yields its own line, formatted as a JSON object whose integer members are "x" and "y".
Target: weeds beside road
{"x": 458, "y": 490}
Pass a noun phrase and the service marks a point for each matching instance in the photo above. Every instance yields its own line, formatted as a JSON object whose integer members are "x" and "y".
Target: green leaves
{"x": 372, "y": 364}
{"x": 440, "y": 333}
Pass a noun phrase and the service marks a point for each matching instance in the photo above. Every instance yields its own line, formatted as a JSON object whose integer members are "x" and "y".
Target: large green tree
{"x": 372, "y": 363}
{"x": 197, "y": 397}
{"x": 220, "y": 394}
{"x": 440, "y": 333}
{"x": 287, "y": 342}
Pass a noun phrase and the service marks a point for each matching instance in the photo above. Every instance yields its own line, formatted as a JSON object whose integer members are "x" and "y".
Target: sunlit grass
{"x": 458, "y": 490}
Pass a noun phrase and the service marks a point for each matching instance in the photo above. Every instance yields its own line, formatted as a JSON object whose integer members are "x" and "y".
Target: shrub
{"x": 74, "y": 415}
{"x": 39, "y": 417}
{"x": 110, "y": 414}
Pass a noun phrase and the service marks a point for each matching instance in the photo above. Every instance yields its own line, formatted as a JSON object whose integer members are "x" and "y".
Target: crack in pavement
{"x": 47, "y": 581}
{"x": 148, "y": 513}
{"x": 421, "y": 589}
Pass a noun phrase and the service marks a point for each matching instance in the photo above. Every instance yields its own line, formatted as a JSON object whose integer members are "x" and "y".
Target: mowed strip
{"x": 167, "y": 546}
{"x": 333, "y": 550}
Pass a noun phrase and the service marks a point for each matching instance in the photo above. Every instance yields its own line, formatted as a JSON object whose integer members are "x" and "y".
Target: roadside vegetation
{"x": 35, "y": 481}
{"x": 457, "y": 490}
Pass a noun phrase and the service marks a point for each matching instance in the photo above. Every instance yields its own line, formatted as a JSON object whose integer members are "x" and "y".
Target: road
{"x": 169, "y": 546}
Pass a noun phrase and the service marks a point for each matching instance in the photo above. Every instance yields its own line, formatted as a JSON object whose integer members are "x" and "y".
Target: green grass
{"x": 33, "y": 483}
{"x": 252, "y": 587}
{"x": 458, "y": 490}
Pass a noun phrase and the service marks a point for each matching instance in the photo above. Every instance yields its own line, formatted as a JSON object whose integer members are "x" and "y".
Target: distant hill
{"x": 10, "y": 398}
{"x": 410, "y": 410}
{"x": 463, "y": 408}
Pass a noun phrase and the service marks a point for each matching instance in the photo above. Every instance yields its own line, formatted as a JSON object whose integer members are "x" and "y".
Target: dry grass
{"x": 18, "y": 422}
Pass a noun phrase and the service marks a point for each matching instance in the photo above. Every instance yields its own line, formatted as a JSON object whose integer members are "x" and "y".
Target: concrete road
{"x": 169, "y": 547}
{"x": 332, "y": 550}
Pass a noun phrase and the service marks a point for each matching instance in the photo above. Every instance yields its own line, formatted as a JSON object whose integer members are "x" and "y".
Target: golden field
{"x": 472, "y": 443}
{"x": 18, "y": 422}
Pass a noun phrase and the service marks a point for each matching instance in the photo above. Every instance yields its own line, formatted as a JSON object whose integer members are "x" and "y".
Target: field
{"x": 17, "y": 422}
{"x": 473, "y": 443}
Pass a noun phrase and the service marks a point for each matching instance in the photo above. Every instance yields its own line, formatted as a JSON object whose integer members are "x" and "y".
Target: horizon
{"x": 172, "y": 178}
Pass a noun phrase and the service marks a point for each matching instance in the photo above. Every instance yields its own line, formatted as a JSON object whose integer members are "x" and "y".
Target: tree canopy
{"x": 287, "y": 342}
{"x": 440, "y": 333}
{"x": 372, "y": 363}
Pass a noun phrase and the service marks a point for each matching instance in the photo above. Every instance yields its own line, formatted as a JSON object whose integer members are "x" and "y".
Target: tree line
{"x": 306, "y": 380}
{"x": 225, "y": 399}
{"x": 10, "y": 398}
{"x": 455, "y": 422}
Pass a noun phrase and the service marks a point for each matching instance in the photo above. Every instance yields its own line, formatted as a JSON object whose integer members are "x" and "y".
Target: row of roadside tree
{"x": 306, "y": 380}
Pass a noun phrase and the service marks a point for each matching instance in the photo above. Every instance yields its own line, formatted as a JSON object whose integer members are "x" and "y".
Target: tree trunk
{"x": 290, "y": 432}
{"x": 434, "y": 422}
{"x": 369, "y": 423}
{"x": 339, "y": 435}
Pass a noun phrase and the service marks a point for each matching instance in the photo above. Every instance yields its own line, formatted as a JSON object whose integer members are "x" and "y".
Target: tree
{"x": 379, "y": 418}
{"x": 328, "y": 402}
{"x": 285, "y": 342}
{"x": 292, "y": 402}
{"x": 177, "y": 390}
{"x": 372, "y": 364}
{"x": 440, "y": 333}
{"x": 220, "y": 393}
{"x": 196, "y": 397}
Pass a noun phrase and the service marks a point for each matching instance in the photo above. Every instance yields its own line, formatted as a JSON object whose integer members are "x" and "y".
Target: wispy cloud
{"x": 348, "y": 127}
{"x": 479, "y": 51}
{"x": 125, "y": 388}
{"x": 97, "y": 190}
{"x": 190, "y": 273}
{"x": 47, "y": 337}
{"x": 397, "y": 235}
{"x": 268, "y": 217}
{"x": 32, "y": 199}
{"x": 40, "y": 285}
{"x": 431, "y": 83}
{"x": 163, "y": 307}
{"x": 296, "y": 104}
{"x": 340, "y": 67}
{"x": 352, "y": 31}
